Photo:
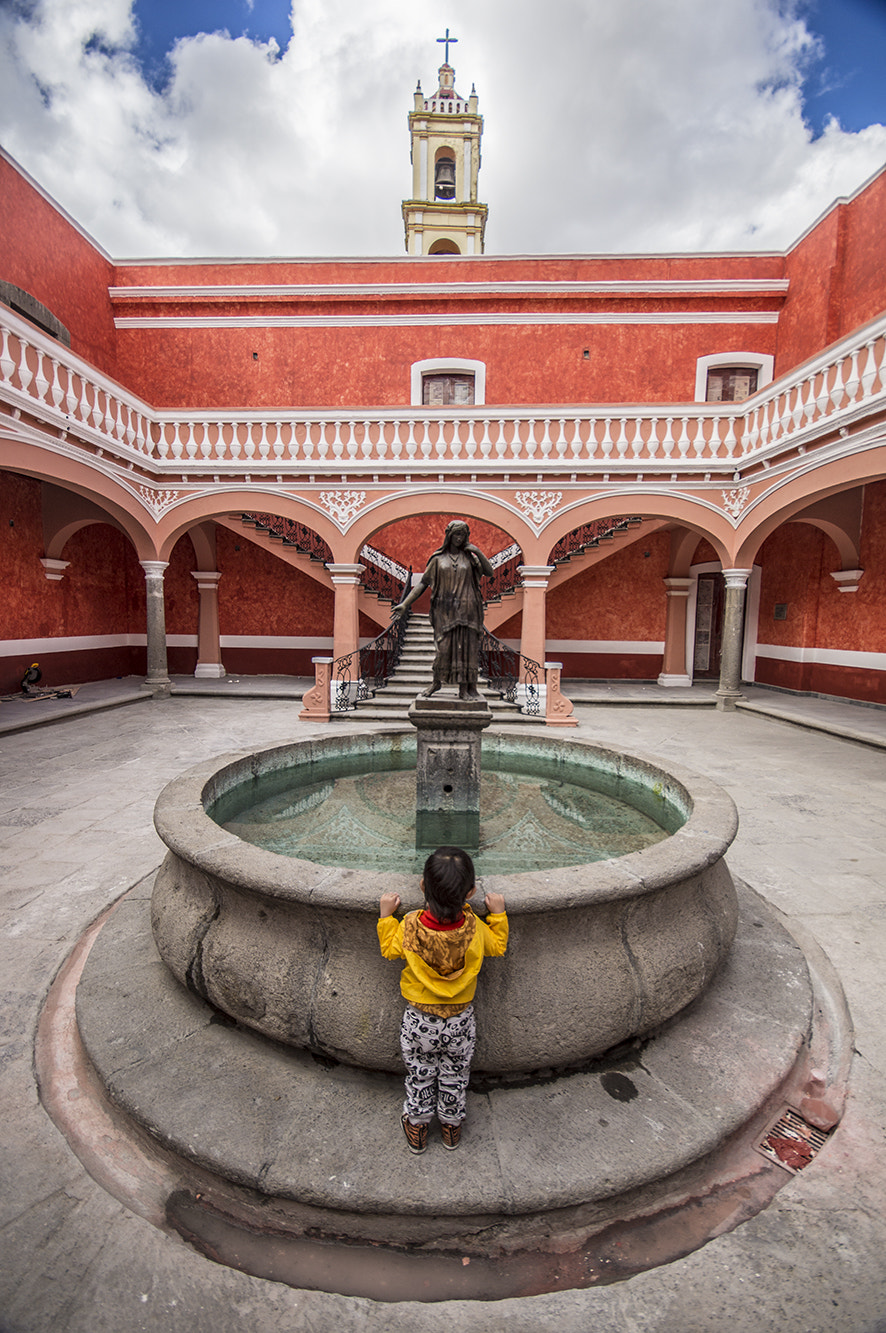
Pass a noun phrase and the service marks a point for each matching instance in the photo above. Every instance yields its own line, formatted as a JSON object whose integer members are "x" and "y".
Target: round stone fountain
{"x": 600, "y": 952}
{"x": 240, "y": 1026}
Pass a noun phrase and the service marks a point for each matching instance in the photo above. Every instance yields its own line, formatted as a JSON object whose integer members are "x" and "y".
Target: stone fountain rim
{"x": 181, "y": 820}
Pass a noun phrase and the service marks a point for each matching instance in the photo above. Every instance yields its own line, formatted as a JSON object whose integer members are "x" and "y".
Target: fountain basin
{"x": 599, "y": 953}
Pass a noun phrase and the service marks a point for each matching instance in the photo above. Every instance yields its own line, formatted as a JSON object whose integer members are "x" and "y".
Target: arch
{"x": 444, "y": 246}
{"x": 695, "y": 515}
{"x": 484, "y": 508}
{"x": 202, "y": 537}
{"x": 191, "y": 513}
{"x": 803, "y": 491}
{"x": 116, "y": 504}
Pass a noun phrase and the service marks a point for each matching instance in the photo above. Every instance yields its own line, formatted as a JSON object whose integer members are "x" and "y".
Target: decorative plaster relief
{"x": 539, "y": 505}
{"x": 157, "y": 501}
{"x": 342, "y": 505}
{"x": 735, "y": 500}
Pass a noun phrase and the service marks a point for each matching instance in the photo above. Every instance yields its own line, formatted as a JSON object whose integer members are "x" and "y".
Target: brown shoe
{"x": 450, "y": 1135}
{"x": 416, "y": 1135}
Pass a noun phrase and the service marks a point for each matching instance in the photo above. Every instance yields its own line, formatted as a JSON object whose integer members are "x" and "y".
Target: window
{"x": 731, "y": 384}
{"x": 23, "y": 303}
{"x": 730, "y": 377}
{"x": 447, "y": 382}
{"x": 447, "y": 390}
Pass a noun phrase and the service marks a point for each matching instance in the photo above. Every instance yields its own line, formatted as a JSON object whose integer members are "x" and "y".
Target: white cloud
{"x": 640, "y": 125}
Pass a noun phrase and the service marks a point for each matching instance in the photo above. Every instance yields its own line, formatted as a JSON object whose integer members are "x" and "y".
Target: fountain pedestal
{"x": 447, "y": 773}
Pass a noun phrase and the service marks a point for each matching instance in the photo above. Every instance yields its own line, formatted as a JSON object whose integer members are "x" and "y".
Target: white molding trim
{"x": 313, "y": 642}
{"x": 762, "y": 360}
{"x": 85, "y": 643}
{"x": 76, "y": 643}
{"x": 507, "y": 287}
{"x": 839, "y": 657}
{"x": 447, "y": 365}
{"x": 645, "y": 647}
{"x": 444, "y": 320}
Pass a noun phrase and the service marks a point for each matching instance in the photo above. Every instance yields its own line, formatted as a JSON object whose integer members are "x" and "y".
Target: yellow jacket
{"x": 440, "y": 975}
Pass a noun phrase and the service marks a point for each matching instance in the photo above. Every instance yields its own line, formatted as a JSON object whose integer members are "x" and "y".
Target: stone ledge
{"x": 326, "y": 1138}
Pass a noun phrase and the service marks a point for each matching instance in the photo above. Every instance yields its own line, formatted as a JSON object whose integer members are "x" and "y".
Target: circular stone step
{"x": 538, "y": 1157}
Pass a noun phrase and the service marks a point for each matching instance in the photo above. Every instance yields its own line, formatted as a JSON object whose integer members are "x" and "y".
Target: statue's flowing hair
{"x": 447, "y": 536}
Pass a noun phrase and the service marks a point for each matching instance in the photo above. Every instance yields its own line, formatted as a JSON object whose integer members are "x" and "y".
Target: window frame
{"x": 448, "y": 366}
{"x": 763, "y": 363}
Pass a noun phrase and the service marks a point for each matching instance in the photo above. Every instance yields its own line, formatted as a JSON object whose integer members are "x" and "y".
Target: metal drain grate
{"x": 792, "y": 1142}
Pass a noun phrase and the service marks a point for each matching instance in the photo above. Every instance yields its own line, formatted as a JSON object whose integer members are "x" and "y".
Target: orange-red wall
{"x": 837, "y": 278}
{"x": 102, "y": 593}
{"x": 46, "y": 256}
{"x": 797, "y": 561}
{"x": 352, "y": 367}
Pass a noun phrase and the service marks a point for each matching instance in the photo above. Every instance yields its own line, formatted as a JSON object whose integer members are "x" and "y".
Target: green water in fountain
{"x": 367, "y": 820}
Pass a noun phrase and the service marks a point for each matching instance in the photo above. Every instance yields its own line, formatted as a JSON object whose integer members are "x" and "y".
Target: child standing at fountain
{"x": 444, "y": 946}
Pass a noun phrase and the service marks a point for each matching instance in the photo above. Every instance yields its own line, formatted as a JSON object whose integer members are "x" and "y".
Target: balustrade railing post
{"x": 558, "y": 709}
{"x": 316, "y": 700}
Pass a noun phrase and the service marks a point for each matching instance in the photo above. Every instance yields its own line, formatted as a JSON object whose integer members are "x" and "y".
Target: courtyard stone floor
{"x": 76, "y": 831}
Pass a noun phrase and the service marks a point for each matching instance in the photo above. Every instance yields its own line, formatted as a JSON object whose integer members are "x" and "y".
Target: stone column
{"x": 209, "y": 663}
{"x": 157, "y": 679}
{"x": 534, "y": 579}
{"x": 346, "y": 629}
{"x": 733, "y": 624}
{"x": 673, "y": 668}
{"x": 447, "y": 771}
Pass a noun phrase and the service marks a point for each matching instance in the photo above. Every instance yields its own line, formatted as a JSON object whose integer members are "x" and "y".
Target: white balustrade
{"x": 38, "y": 374}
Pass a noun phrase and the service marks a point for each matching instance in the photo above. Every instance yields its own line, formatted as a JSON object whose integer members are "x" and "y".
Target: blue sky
{"x": 849, "y": 80}
{"x": 223, "y": 127}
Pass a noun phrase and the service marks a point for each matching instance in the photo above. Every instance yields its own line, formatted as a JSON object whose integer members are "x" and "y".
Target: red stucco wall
{"x": 797, "y": 561}
{"x": 102, "y": 593}
{"x": 46, "y": 256}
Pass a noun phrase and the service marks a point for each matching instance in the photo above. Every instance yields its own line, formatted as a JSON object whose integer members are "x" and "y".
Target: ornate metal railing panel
{"x": 587, "y": 536}
{"x": 291, "y": 533}
{"x": 358, "y": 675}
{"x": 511, "y": 674}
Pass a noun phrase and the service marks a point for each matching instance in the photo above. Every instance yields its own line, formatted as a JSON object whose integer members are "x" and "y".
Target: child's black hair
{"x": 448, "y": 879}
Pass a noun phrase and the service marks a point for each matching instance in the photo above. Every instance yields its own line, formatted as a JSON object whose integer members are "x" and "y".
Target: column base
{"x": 668, "y": 681}
{"x": 727, "y": 699}
{"x": 157, "y": 685}
{"x": 209, "y": 671}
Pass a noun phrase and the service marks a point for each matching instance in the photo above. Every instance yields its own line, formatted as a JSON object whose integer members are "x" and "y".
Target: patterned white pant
{"x": 437, "y": 1053}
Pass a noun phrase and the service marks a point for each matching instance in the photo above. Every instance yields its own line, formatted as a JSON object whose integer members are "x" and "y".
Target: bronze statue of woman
{"x": 453, "y": 574}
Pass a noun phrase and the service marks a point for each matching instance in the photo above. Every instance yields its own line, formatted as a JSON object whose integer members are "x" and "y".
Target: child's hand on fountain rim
{"x": 495, "y": 902}
{"x": 388, "y": 904}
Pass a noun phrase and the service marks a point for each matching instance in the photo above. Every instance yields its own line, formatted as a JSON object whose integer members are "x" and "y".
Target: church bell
{"x": 444, "y": 178}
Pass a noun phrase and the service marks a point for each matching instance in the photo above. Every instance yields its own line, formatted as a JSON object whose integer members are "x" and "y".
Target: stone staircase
{"x": 414, "y": 673}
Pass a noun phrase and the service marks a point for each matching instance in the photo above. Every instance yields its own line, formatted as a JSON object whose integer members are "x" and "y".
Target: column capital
{"x": 154, "y": 568}
{"x": 677, "y": 587}
{"x": 737, "y": 578}
{"x": 54, "y": 569}
{"x": 847, "y": 580}
{"x": 535, "y": 576}
{"x": 206, "y": 578}
{"x": 346, "y": 574}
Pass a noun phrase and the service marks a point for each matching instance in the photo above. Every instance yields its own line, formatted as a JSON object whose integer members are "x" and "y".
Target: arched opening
{"x": 444, "y": 174}
{"x": 444, "y": 246}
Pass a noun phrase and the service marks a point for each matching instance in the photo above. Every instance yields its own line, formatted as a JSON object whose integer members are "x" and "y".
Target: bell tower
{"x": 443, "y": 216}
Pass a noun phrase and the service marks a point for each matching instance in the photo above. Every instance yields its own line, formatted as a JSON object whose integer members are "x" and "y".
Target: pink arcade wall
{"x": 797, "y": 562}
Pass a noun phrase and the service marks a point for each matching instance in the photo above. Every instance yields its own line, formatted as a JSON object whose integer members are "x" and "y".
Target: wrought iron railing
{"x": 291, "y": 533}
{"x": 511, "y": 674}
{"x": 358, "y": 675}
{"x": 587, "y": 536}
